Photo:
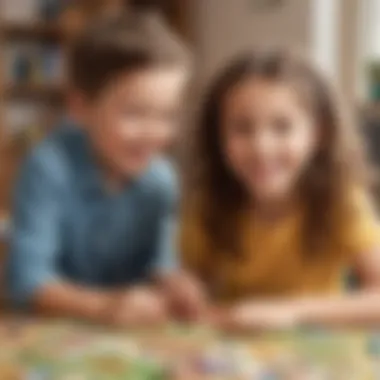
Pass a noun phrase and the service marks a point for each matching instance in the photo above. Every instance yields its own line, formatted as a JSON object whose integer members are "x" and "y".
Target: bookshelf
{"x": 34, "y": 37}
{"x": 42, "y": 30}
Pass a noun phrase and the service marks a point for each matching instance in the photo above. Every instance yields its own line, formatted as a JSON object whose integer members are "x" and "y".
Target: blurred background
{"x": 342, "y": 36}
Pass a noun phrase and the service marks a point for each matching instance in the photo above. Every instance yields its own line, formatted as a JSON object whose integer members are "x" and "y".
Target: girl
{"x": 278, "y": 209}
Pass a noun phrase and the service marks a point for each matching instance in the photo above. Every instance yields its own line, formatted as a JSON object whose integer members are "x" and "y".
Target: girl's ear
{"x": 322, "y": 139}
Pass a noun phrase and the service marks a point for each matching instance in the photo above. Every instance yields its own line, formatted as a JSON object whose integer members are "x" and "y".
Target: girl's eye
{"x": 169, "y": 117}
{"x": 282, "y": 125}
{"x": 242, "y": 126}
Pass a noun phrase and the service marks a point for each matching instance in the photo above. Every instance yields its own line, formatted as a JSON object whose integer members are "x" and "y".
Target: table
{"x": 37, "y": 349}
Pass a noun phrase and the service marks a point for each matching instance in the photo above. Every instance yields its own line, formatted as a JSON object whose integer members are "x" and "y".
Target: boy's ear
{"x": 77, "y": 105}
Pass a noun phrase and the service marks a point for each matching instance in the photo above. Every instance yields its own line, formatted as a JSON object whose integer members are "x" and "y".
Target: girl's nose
{"x": 262, "y": 142}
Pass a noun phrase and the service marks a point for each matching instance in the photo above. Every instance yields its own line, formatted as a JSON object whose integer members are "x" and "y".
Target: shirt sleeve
{"x": 165, "y": 258}
{"x": 359, "y": 229}
{"x": 192, "y": 240}
{"x": 35, "y": 240}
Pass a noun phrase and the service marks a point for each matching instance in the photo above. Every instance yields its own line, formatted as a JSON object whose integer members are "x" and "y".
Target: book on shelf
{"x": 33, "y": 63}
{"x": 31, "y": 11}
{"x": 27, "y": 122}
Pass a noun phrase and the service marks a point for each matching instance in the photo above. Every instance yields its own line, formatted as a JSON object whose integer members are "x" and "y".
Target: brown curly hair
{"x": 338, "y": 165}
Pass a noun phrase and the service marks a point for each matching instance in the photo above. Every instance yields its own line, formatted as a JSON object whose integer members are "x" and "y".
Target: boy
{"x": 93, "y": 207}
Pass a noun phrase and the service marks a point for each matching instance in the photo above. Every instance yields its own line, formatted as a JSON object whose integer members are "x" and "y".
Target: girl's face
{"x": 268, "y": 137}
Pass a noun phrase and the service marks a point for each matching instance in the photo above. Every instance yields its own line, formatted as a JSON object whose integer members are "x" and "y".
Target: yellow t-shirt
{"x": 275, "y": 265}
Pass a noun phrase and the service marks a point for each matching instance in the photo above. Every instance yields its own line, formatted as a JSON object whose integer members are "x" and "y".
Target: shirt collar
{"x": 89, "y": 176}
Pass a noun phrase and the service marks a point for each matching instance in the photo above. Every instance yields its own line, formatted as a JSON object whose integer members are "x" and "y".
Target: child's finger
{"x": 218, "y": 317}
{"x": 197, "y": 307}
{"x": 189, "y": 306}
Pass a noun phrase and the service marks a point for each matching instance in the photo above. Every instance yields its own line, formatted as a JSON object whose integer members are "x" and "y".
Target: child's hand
{"x": 138, "y": 306}
{"x": 186, "y": 297}
{"x": 257, "y": 317}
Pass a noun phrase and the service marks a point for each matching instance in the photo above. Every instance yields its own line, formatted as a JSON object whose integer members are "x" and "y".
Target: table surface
{"x": 61, "y": 350}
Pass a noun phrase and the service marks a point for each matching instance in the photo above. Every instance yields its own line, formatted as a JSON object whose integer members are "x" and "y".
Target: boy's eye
{"x": 144, "y": 113}
{"x": 134, "y": 112}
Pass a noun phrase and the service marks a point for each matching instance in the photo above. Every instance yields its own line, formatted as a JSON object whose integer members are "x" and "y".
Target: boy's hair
{"x": 338, "y": 166}
{"x": 122, "y": 43}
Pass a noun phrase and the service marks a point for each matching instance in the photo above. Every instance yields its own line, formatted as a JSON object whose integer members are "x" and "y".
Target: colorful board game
{"x": 42, "y": 350}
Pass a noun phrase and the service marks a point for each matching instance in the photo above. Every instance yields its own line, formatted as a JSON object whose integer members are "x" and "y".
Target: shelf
{"x": 39, "y": 30}
{"x": 45, "y": 91}
{"x": 5, "y": 228}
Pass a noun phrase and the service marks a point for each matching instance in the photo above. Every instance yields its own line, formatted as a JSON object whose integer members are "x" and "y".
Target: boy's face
{"x": 134, "y": 118}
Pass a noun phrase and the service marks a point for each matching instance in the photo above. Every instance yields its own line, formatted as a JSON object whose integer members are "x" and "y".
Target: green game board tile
{"x": 49, "y": 351}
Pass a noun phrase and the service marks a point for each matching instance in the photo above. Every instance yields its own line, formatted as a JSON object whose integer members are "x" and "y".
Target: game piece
{"x": 373, "y": 346}
{"x": 10, "y": 372}
{"x": 40, "y": 374}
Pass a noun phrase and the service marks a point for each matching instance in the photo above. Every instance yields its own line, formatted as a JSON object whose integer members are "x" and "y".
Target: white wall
{"x": 368, "y": 43}
{"x": 373, "y": 27}
{"x": 226, "y": 27}
{"x": 325, "y": 34}
{"x": 326, "y": 29}
{"x": 350, "y": 68}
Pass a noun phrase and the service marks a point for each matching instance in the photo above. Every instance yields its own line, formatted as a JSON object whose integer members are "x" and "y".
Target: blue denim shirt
{"x": 67, "y": 227}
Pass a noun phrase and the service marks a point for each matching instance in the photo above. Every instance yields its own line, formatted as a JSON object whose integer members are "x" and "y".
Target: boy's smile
{"x": 134, "y": 118}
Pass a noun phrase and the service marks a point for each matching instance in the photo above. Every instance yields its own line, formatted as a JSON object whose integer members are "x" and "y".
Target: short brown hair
{"x": 121, "y": 43}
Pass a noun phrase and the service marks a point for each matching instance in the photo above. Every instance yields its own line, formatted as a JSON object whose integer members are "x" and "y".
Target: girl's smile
{"x": 269, "y": 137}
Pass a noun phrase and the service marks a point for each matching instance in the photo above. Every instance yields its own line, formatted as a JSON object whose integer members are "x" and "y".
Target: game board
{"x": 55, "y": 350}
